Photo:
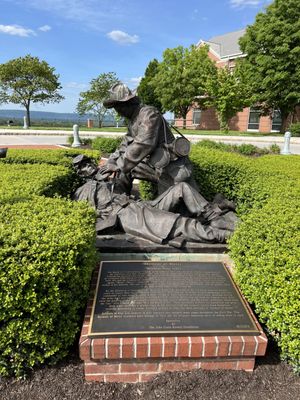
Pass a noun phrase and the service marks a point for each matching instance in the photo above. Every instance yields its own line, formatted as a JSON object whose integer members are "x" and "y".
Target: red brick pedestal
{"x": 138, "y": 359}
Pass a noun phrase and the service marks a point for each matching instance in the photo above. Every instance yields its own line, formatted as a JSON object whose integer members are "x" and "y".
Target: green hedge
{"x": 52, "y": 157}
{"x": 20, "y": 182}
{"x": 106, "y": 145}
{"x": 47, "y": 253}
{"x": 245, "y": 148}
{"x": 266, "y": 252}
{"x": 265, "y": 247}
{"x": 46, "y": 256}
{"x": 295, "y": 129}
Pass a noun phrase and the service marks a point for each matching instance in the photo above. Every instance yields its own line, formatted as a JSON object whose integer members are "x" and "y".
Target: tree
{"x": 27, "y": 80}
{"x": 91, "y": 101}
{"x": 145, "y": 89}
{"x": 272, "y": 45}
{"x": 227, "y": 93}
{"x": 181, "y": 78}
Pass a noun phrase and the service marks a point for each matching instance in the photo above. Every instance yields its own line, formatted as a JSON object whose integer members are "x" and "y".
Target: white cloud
{"x": 16, "y": 30}
{"x": 122, "y": 37}
{"x": 135, "y": 81}
{"x": 44, "y": 28}
{"x": 245, "y": 3}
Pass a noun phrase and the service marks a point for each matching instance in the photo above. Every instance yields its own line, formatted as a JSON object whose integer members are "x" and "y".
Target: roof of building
{"x": 226, "y": 45}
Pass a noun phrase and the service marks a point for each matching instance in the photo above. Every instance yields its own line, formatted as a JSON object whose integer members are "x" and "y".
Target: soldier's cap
{"x": 80, "y": 159}
{"x": 119, "y": 93}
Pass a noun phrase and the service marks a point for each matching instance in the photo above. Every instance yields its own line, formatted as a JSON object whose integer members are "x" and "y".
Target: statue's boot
{"x": 223, "y": 203}
{"x": 226, "y": 221}
{"x": 210, "y": 212}
{"x": 193, "y": 230}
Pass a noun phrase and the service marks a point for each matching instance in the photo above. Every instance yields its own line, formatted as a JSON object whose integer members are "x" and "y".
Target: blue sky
{"x": 83, "y": 38}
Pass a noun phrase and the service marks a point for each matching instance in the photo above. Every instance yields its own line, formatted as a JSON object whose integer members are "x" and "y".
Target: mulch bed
{"x": 271, "y": 379}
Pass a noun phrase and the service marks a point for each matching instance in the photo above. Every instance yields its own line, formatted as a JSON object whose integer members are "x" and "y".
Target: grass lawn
{"x": 123, "y": 129}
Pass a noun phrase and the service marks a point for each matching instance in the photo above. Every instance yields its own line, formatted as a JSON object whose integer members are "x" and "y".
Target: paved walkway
{"x": 20, "y": 137}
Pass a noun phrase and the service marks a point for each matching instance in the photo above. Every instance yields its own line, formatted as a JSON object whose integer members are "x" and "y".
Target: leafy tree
{"x": 181, "y": 78}
{"x": 228, "y": 94}
{"x": 91, "y": 101}
{"x": 27, "y": 80}
{"x": 272, "y": 45}
{"x": 145, "y": 89}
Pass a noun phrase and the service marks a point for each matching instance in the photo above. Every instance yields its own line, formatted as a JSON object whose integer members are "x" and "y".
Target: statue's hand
{"x": 101, "y": 176}
{"x": 108, "y": 168}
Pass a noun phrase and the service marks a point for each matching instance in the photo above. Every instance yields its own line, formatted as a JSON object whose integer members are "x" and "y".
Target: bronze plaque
{"x": 172, "y": 297}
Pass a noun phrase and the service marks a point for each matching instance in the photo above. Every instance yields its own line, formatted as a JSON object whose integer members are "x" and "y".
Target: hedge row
{"x": 106, "y": 145}
{"x": 53, "y": 157}
{"x": 47, "y": 253}
{"x": 265, "y": 247}
{"x": 246, "y": 149}
{"x": 20, "y": 182}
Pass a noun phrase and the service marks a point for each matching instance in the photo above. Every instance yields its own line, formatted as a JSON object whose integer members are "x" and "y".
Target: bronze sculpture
{"x": 179, "y": 213}
{"x": 148, "y": 150}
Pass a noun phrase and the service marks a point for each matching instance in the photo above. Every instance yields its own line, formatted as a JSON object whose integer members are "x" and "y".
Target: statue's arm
{"x": 144, "y": 141}
{"x": 120, "y": 150}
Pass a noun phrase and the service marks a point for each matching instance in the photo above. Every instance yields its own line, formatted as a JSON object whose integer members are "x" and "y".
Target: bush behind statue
{"x": 246, "y": 149}
{"x": 106, "y": 145}
{"x": 295, "y": 129}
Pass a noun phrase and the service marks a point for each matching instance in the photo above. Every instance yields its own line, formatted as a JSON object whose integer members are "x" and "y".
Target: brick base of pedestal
{"x": 138, "y": 359}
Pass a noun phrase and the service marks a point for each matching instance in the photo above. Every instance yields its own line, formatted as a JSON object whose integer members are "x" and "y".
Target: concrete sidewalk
{"x": 193, "y": 138}
{"x": 20, "y": 137}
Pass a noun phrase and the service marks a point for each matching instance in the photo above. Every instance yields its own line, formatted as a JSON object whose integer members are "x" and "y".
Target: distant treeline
{"x": 44, "y": 118}
{"x": 17, "y": 122}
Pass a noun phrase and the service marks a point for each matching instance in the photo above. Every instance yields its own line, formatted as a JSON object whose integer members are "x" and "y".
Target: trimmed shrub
{"x": 47, "y": 254}
{"x": 266, "y": 253}
{"x": 295, "y": 129}
{"x": 53, "y": 157}
{"x": 106, "y": 145}
{"x": 245, "y": 148}
{"x": 20, "y": 182}
{"x": 265, "y": 247}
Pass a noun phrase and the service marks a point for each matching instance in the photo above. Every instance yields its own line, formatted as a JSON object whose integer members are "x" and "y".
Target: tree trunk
{"x": 184, "y": 114}
{"x": 284, "y": 120}
{"x": 224, "y": 123}
{"x": 28, "y": 114}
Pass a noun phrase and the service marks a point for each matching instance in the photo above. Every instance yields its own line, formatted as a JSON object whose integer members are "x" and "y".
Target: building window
{"x": 254, "y": 116}
{"x": 276, "y": 121}
{"x": 196, "y": 116}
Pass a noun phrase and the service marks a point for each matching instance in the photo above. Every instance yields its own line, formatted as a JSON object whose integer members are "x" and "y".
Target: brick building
{"x": 224, "y": 50}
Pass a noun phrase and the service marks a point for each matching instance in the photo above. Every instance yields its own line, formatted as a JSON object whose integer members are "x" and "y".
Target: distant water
{"x": 46, "y": 116}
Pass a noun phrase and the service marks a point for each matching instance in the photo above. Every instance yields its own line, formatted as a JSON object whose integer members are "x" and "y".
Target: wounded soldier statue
{"x": 179, "y": 214}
